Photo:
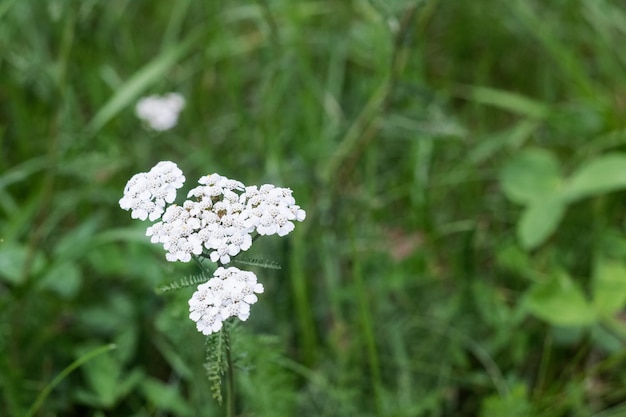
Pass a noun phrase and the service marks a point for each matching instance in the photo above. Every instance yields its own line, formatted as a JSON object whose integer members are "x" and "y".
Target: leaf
{"x": 261, "y": 263}
{"x": 506, "y": 100}
{"x": 165, "y": 397}
{"x": 23, "y": 171}
{"x": 607, "y": 339}
{"x": 78, "y": 241}
{"x": 601, "y": 175}
{"x": 189, "y": 281}
{"x": 539, "y": 221}
{"x": 560, "y": 301}
{"x": 63, "y": 278}
{"x": 510, "y": 138}
{"x": 103, "y": 376}
{"x": 215, "y": 363}
{"x": 609, "y": 287}
{"x": 125, "y": 385}
{"x": 532, "y": 175}
{"x": 514, "y": 404}
{"x": 172, "y": 355}
{"x": 63, "y": 374}
{"x": 514, "y": 259}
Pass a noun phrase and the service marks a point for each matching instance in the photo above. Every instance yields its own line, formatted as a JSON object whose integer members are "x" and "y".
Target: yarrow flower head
{"x": 220, "y": 219}
{"x": 147, "y": 193}
{"x": 160, "y": 112}
{"x": 272, "y": 210}
{"x": 221, "y": 216}
{"x": 230, "y": 293}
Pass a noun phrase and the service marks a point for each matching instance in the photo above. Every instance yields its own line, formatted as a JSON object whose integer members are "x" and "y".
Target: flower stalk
{"x": 220, "y": 219}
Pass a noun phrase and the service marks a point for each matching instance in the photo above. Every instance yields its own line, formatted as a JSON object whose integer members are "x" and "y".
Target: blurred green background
{"x": 461, "y": 163}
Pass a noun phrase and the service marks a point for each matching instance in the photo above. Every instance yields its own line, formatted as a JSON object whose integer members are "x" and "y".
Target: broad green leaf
{"x": 531, "y": 175}
{"x": 560, "y": 301}
{"x": 124, "y": 386}
{"x": 609, "y": 287}
{"x": 165, "y": 397}
{"x": 539, "y": 221}
{"x": 103, "y": 376}
{"x": 601, "y": 175}
{"x": 514, "y": 404}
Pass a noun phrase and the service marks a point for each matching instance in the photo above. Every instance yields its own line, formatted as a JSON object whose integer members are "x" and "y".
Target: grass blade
{"x": 138, "y": 83}
{"x": 64, "y": 373}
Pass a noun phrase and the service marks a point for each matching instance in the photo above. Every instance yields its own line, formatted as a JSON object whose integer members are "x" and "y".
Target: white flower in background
{"x": 160, "y": 112}
{"x": 147, "y": 193}
{"x": 230, "y": 293}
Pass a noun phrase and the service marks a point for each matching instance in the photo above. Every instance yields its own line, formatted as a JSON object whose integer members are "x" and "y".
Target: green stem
{"x": 302, "y": 299}
{"x": 230, "y": 377}
{"x": 64, "y": 373}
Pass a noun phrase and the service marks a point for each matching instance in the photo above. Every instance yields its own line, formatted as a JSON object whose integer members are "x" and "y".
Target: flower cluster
{"x": 160, "y": 113}
{"x": 147, "y": 192}
{"x": 229, "y": 293}
{"x": 272, "y": 209}
{"x": 220, "y": 218}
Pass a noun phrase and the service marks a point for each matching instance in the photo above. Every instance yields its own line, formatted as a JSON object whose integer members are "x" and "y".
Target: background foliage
{"x": 461, "y": 163}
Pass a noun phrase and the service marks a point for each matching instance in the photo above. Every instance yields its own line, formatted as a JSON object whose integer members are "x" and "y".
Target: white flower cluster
{"x": 229, "y": 293}
{"x": 272, "y": 210}
{"x": 146, "y": 193}
{"x": 160, "y": 113}
{"x": 220, "y": 216}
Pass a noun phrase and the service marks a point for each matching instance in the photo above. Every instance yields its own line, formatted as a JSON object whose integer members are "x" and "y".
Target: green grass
{"x": 417, "y": 285}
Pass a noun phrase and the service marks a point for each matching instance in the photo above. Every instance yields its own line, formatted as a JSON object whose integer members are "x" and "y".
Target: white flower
{"x": 224, "y": 229}
{"x": 178, "y": 232}
{"x": 160, "y": 113}
{"x": 147, "y": 193}
{"x": 229, "y": 293}
{"x": 220, "y": 215}
{"x": 272, "y": 210}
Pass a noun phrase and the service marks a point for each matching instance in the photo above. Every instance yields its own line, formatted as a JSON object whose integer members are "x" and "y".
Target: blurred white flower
{"x": 147, "y": 193}
{"x": 160, "y": 112}
{"x": 230, "y": 293}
